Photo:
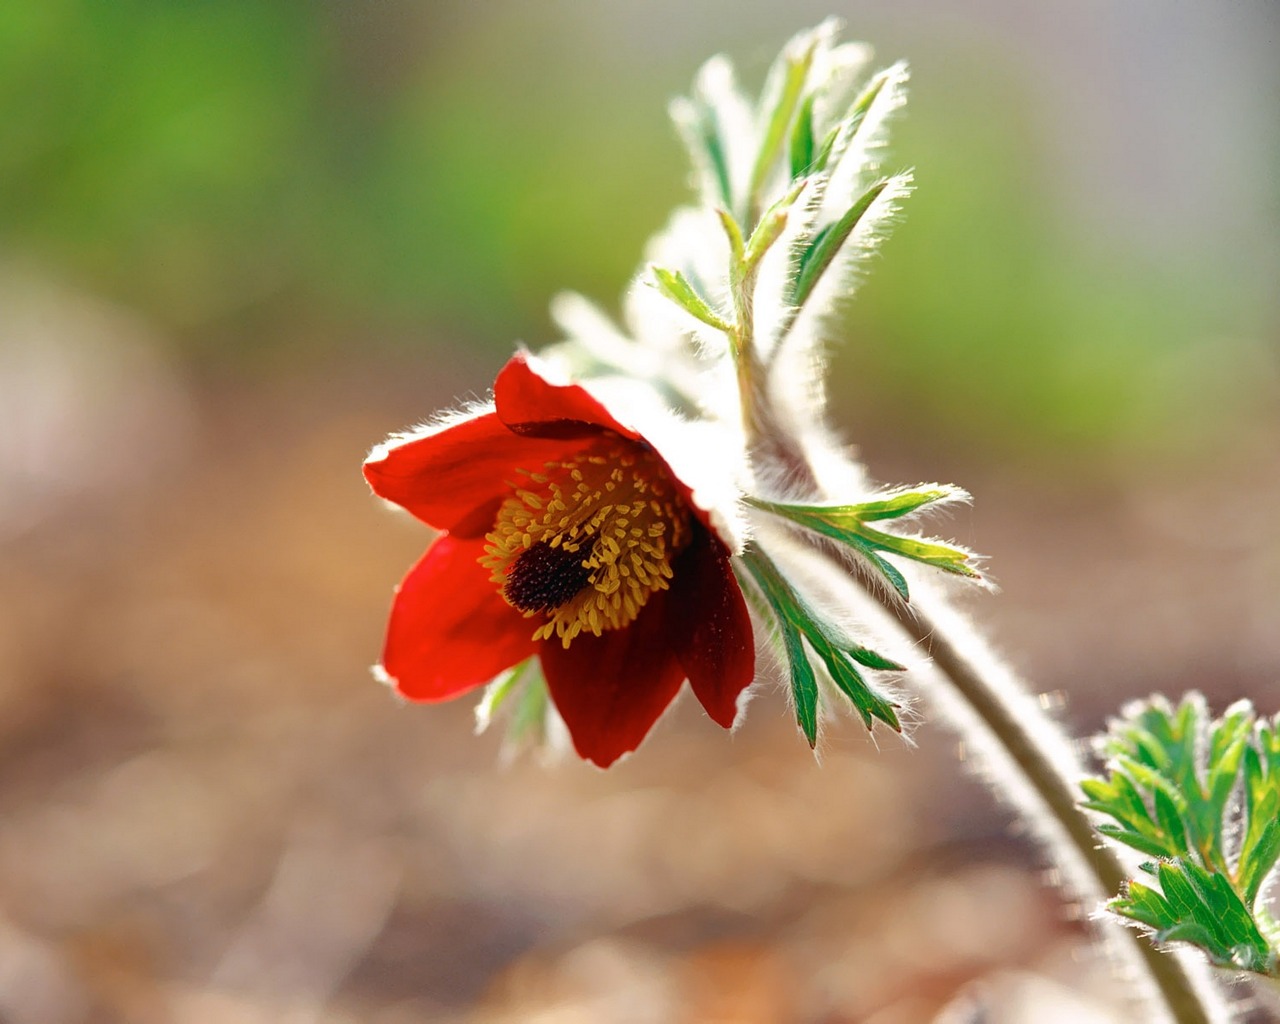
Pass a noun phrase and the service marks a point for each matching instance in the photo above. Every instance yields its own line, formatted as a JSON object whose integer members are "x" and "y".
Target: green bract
{"x": 848, "y": 525}
{"x": 799, "y": 624}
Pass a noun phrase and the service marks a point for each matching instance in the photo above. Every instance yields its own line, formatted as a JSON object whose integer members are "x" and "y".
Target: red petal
{"x": 610, "y": 689}
{"x": 450, "y": 629}
{"x": 710, "y": 628}
{"x": 533, "y": 406}
{"x": 443, "y": 477}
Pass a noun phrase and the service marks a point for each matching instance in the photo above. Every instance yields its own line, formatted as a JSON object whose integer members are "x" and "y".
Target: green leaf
{"x": 675, "y": 286}
{"x": 798, "y": 623}
{"x": 847, "y": 524}
{"x": 818, "y": 255}
{"x": 1170, "y": 819}
{"x": 1182, "y": 768}
{"x": 869, "y": 704}
{"x": 772, "y": 223}
{"x": 802, "y": 142}
{"x": 1199, "y": 907}
{"x": 1259, "y": 856}
{"x": 940, "y": 556}
{"x": 1137, "y": 840}
{"x": 902, "y": 503}
{"x": 890, "y": 572}
{"x": 843, "y": 131}
{"x": 529, "y": 716}
{"x": 495, "y": 696}
{"x": 733, "y": 232}
{"x": 783, "y": 88}
{"x": 1142, "y": 904}
{"x": 699, "y": 127}
{"x": 519, "y": 697}
{"x": 804, "y": 684}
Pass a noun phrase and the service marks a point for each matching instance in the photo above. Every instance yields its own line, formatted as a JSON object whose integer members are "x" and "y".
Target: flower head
{"x": 565, "y": 534}
{"x": 615, "y": 548}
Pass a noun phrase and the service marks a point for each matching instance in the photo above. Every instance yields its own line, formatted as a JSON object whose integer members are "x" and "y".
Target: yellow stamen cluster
{"x": 586, "y": 542}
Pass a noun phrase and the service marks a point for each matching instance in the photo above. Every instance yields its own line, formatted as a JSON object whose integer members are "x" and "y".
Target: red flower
{"x": 565, "y": 535}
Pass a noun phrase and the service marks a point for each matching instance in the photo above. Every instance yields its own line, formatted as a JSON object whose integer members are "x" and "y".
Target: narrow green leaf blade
{"x": 819, "y": 254}
{"x": 675, "y": 286}
{"x": 782, "y": 95}
{"x": 802, "y": 141}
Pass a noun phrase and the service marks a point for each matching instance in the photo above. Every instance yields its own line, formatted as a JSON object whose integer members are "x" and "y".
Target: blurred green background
{"x": 1091, "y": 259}
{"x": 241, "y": 241}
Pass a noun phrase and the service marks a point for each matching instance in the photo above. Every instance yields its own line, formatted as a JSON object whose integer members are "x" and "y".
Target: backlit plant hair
{"x": 609, "y": 518}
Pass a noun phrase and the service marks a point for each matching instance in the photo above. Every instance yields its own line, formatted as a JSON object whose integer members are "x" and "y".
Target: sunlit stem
{"x": 1024, "y": 733}
{"x": 744, "y": 266}
{"x": 1030, "y": 743}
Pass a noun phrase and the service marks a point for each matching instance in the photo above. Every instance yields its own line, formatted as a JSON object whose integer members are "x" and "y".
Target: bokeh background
{"x": 242, "y": 241}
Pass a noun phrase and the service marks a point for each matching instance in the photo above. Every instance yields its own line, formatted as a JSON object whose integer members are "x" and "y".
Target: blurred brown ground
{"x": 209, "y": 813}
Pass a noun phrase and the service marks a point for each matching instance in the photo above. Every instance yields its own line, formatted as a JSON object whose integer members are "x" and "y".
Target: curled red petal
{"x": 444, "y": 477}
{"x": 710, "y": 627}
{"x": 533, "y": 406}
{"x": 450, "y": 629}
{"x": 610, "y": 689}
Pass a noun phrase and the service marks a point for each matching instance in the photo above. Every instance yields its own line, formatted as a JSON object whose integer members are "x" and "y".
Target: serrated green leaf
{"x": 1224, "y": 770}
{"x": 1170, "y": 819}
{"x": 1097, "y": 790}
{"x": 1141, "y": 843}
{"x": 871, "y": 659}
{"x": 676, "y": 287}
{"x": 1131, "y": 800}
{"x": 1143, "y": 904}
{"x": 1118, "y": 798}
{"x": 1185, "y": 767}
{"x": 803, "y": 680}
{"x": 1197, "y": 935}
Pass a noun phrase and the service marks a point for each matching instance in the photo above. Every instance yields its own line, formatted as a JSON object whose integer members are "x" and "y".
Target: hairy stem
{"x": 1037, "y": 749}
{"x": 1030, "y": 746}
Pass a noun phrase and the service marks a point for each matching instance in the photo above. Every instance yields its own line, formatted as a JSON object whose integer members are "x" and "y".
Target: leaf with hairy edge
{"x": 675, "y": 286}
{"x": 783, "y": 88}
{"x": 804, "y": 683}
{"x": 842, "y": 133}
{"x": 1202, "y": 795}
{"x": 837, "y": 653}
{"x": 816, "y": 257}
{"x": 519, "y": 695}
{"x": 699, "y": 128}
{"x": 801, "y": 151}
{"x": 847, "y": 524}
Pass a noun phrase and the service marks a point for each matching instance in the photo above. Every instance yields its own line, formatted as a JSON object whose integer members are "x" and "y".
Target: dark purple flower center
{"x": 543, "y": 578}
